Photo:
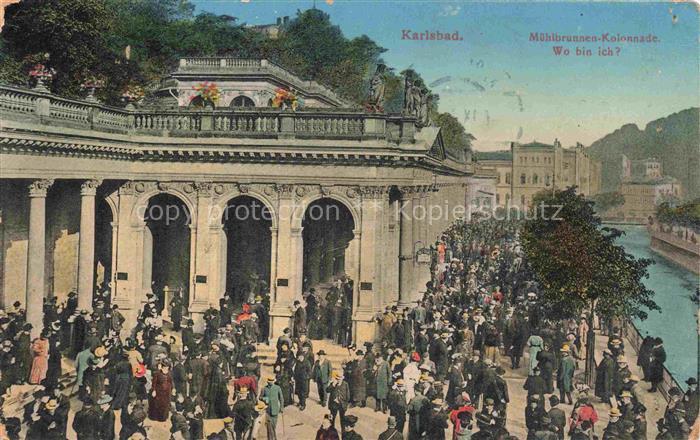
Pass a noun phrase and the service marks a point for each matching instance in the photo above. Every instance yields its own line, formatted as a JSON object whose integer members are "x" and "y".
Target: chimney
{"x": 286, "y": 19}
{"x": 279, "y": 21}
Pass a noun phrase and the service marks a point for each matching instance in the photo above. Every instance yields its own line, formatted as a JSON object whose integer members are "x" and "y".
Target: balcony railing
{"x": 35, "y": 107}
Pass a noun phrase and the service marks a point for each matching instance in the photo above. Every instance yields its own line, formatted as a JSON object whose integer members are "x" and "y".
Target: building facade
{"x": 644, "y": 187}
{"x": 528, "y": 169}
{"x": 141, "y": 199}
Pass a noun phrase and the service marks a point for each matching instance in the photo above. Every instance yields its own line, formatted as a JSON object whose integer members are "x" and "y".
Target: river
{"x": 676, "y": 322}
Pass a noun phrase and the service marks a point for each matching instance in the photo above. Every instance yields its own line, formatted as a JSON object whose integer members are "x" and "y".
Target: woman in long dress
{"x": 161, "y": 390}
{"x": 40, "y": 362}
{"x": 534, "y": 344}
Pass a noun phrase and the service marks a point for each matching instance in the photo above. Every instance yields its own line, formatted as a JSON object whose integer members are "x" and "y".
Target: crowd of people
{"x": 437, "y": 367}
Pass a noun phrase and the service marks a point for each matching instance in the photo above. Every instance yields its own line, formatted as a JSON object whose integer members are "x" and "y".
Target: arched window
{"x": 242, "y": 101}
{"x": 523, "y": 179}
{"x": 508, "y": 178}
{"x": 546, "y": 179}
{"x": 535, "y": 179}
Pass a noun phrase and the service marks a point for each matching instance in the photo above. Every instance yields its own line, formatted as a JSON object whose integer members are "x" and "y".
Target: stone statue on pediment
{"x": 377, "y": 90}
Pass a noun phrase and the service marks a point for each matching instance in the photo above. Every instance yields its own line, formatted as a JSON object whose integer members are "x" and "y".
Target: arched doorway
{"x": 167, "y": 234}
{"x": 247, "y": 222}
{"x": 327, "y": 232}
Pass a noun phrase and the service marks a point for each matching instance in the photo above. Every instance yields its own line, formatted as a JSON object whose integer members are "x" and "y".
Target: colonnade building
{"x": 150, "y": 198}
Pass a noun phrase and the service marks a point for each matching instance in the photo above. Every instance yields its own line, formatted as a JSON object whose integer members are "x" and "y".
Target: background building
{"x": 644, "y": 187}
{"x": 530, "y": 168}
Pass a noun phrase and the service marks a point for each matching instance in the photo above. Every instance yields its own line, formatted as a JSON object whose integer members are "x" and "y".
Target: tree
{"x": 606, "y": 201}
{"x": 458, "y": 143}
{"x": 70, "y": 32}
{"x": 579, "y": 265}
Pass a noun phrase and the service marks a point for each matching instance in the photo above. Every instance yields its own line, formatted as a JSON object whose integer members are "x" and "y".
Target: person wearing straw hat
{"x": 338, "y": 397}
{"x": 272, "y": 396}
{"x": 614, "y": 428}
{"x": 243, "y": 413}
{"x": 565, "y": 374}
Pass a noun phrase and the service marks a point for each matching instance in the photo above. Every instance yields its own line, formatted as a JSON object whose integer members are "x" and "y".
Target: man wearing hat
{"x": 614, "y": 428}
{"x": 86, "y": 421}
{"x": 299, "y": 319}
{"x": 228, "y": 432}
{"x": 243, "y": 413}
{"x": 338, "y": 397}
{"x": 691, "y": 400}
{"x": 604, "y": 377}
{"x": 439, "y": 353}
{"x": 557, "y": 417}
{"x": 107, "y": 421}
{"x": 302, "y": 376}
{"x": 349, "y": 423}
{"x": 391, "y": 432}
{"x": 398, "y": 403}
{"x": 673, "y": 425}
{"x": 272, "y": 396}
{"x": 565, "y": 374}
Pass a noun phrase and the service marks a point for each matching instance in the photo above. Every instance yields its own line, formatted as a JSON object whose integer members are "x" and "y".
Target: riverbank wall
{"x": 677, "y": 245}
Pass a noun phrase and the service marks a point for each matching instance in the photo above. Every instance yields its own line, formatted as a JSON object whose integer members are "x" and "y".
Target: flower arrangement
{"x": 206, "y": 92}
{"x": 133, "y": 92}
{"x": 41, "y": 72}
{"x": 286, "y": 99}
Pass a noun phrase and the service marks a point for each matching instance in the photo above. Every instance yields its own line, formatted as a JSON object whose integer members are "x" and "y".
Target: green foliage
{"x": 457, "y": 141}
{"x": 608, "y": 200}
{"x": 687, "y": 214}
{"x": 578, "y": 263}
{"x": 314, "y": 48}
{"x": 71, "y": 32}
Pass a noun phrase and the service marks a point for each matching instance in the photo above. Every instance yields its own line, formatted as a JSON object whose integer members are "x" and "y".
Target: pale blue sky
{"x": 571, "y": 98}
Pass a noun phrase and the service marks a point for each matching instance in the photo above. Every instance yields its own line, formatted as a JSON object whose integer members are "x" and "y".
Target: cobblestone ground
{"x": 302, "y": 425}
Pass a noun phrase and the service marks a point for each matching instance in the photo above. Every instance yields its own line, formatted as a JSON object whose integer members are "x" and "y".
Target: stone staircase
{"x": 267, "y": 354}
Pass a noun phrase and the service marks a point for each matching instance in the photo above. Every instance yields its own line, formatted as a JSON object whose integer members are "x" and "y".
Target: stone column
{"x": 405, "y": 246}
{"x": 273, "y": 261}
{"x": 86, "y": 249}
{"x": 287, "y": 260}
{"x": 36, "y": 252}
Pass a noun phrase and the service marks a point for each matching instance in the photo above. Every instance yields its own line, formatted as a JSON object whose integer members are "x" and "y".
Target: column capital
{"x": 284, "y": 190}
{"x": 89, "y": 187}
{"x": 374, "y": 192}
{"x": 39, "y": 188}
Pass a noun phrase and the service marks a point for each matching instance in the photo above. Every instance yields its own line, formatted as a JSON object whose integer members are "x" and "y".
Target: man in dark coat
{"x": 456, "y": 379}
{"x": 439, "y": 354}
{"x": 557, "y": 416}
{"x": 80, "y": 330}
{"x": 604, "y": 376}
{"x": 338, "y": 397}
{"x": 349, "y": 428}
{"x": 656, "y": 364}
{"x": 106, "y": 423}
{"x": 299, "y": 326}
{"x": 691, "y": 400}
{"x": 86, "y": 421}
{"x": 397, "y": 404}
{"x": 355, "y": 372}
{"x": 302, "y": 375}
{"x": 243, "y": 413}
{"x": 392, "y": 432}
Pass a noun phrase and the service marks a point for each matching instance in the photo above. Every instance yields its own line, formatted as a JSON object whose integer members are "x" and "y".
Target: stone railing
{"x": 236, "y": 65}
{"x": 36, "y": 107}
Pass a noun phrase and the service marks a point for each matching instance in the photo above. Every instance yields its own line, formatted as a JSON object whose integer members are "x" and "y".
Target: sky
{"x": 504, "y": 87}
